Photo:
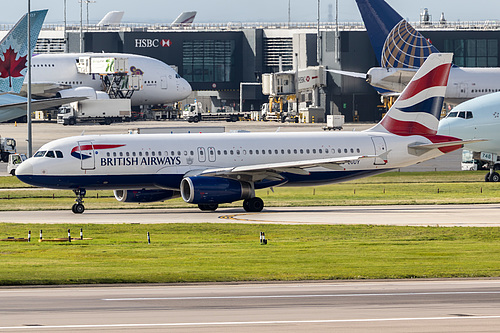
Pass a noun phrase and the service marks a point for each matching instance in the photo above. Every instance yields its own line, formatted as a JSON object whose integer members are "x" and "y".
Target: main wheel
{"x": 209, "y": 206}
{"x": 253, "y": 204}
{"x": 78, "y": 208}
{"x": 495, "y": 177}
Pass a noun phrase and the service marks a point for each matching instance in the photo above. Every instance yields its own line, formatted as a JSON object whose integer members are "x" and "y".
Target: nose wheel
{"x": 78, "y": 207}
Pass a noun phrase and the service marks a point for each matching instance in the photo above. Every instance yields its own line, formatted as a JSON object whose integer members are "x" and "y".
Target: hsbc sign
{"x": 152, "y": 43}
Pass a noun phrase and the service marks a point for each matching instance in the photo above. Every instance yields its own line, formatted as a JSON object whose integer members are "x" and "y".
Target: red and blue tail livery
{"x": 418, "y": 109}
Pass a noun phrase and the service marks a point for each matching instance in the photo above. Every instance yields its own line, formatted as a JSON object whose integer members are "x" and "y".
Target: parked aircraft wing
{"x": 44, "y": 103}
{"x": 44, "y": 89}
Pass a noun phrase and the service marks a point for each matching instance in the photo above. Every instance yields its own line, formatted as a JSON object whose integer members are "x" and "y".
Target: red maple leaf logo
{"x": 10, "y": 67}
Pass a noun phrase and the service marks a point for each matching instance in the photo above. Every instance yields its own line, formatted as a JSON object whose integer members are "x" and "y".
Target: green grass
{"x": 393, "y": 188}
{"x": 231, "y": 252}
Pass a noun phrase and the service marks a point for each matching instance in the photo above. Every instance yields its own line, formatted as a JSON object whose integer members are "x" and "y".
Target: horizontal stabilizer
{"x": 429, "y": 146}
{"x": 347, "y": 73}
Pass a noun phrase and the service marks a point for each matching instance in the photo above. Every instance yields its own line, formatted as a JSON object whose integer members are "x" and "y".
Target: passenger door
{"x": 87, "y": 155}
{"x": 380, "y": 148}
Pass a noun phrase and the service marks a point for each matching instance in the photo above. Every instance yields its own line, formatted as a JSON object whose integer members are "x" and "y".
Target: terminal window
{"x": 208, "y": 60}
{"x": 473, "y": 52}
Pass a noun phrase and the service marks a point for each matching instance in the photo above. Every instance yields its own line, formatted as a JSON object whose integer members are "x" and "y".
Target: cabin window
{"x": 152, "y": 153}
{"x": 121, "y": 153}
{"x": 218, "y": 152}
{"x": 339, "y": 150}
{"x": 114, "y": 154}
{"x": 256, "y": 152}
{"x": 307, "y": 151}
{"x": 270, "y": 151}
{"x": 172, "y": 153}
{"x": 314, "y": 151}
{"x": 352, "y": 151}
{"x": 179, "y": 152}
{"x": 192, "y": 153}
{"x": 295, "y": 151}
{"x": 276, "y": 151}
{"x": 225, "y": 152}
{"x": 127, "y": 153}
{"x": 140, "y": 153}
{"x": 358, "y": 150}
{"x": 133, "y": 153}
{"x": 282, "y": 151}
{"x": 231, "y": 152}
{"x": 250, "y": 151}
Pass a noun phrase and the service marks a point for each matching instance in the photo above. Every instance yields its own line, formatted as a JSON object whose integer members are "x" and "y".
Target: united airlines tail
{"x": 395, "y": 42}
{"x": 417, "y": 110}
{"x": 14, "y": 51}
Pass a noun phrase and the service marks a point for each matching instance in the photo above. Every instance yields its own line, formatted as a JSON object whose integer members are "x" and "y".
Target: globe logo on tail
{"x": 405, "y": 47}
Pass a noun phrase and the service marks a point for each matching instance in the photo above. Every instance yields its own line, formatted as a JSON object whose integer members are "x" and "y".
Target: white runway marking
{"x": 298, "y": 296}
{"x": 242, "y": 323}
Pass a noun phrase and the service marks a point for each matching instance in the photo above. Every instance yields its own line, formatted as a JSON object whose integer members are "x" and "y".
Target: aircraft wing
{"x": 272, "y": 171}
{"x": 44, "y": 89}
{"x": 347, "y": 73}
{"x": 42, "y": 104}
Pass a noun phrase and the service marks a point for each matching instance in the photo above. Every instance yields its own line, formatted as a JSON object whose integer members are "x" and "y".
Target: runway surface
{"x": 375, "y": 306}
{"x": 417, "y": 215}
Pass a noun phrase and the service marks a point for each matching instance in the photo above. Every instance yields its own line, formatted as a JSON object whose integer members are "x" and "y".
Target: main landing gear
{"x": 492, "y": 176}
{"x": 253, "y": 205}
{"x": 78, "y": 207}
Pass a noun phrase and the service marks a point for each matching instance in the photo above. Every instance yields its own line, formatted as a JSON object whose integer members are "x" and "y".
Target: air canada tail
{"x": 14, "y": 51}
{"x": 417, "y": 110}
{"x": 395, "y": 42}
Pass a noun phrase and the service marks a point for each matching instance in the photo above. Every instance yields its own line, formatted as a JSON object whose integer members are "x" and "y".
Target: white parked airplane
{"x": 214, "y": 168}
{"x": 474, "y": 119}
{"x": 13, "y": 68}
{"x": 400, "y": 50}
{"x": 57, "y": 75}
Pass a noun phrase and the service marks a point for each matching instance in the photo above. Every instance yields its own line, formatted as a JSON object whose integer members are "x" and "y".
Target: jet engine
{"x": 88, "y": 92}
{"x": 204, "y": 190}
{"x": 145, "y": 195}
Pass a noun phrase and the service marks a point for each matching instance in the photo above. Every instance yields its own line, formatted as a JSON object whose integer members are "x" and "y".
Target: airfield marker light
{"x": 81, "y": 233}
{"x": 29, "y": 236}
{"x": 40, "y": 234}
{"x": 69, "y": 235}
{"x": 263, "y": 240}
{"x": 149, "y": 239}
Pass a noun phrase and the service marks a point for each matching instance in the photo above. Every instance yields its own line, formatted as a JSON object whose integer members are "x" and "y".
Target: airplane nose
{"x": 24, "y": 169}
{"x": 444, "y": 127}
{"x": 186, "y": 87}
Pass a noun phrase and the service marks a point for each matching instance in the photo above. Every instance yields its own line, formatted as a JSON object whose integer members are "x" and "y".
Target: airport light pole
{"x": 64, "y": 29}
{"x": 81, "y": 25}
{"x": 28, "y": 107}
{"x": 87, "y": 3}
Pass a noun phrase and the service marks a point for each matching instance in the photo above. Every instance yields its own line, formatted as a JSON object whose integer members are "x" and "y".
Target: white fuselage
{"x": 478, "y": 118}
{"x": 162, "y": 160}
{"x": 161, "y": 84}
{"x": 464, "y": 82}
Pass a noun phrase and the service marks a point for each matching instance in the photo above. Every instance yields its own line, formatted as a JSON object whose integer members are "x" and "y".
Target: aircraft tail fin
{"x": 112, "y": 18}
{"x": 418, "y": 109}
{"x": 395, "y": 42}
{"x": 184, "y": 18}
{"x": 14, "y": 51}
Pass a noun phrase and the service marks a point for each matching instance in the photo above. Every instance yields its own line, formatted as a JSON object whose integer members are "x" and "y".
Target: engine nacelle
{"x": 88, "y": 92}
{"x": 145, "y": 195}
{"x": 203, "y": 190}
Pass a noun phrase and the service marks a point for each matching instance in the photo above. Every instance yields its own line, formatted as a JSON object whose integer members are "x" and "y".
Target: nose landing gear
{"x": 78, "y": 207}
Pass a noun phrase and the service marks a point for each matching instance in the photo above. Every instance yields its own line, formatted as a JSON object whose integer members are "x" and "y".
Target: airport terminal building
{"x": 216, "y": 58}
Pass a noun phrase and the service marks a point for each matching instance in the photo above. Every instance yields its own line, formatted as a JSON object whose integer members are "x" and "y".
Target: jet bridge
{"x": 113, "y": 71}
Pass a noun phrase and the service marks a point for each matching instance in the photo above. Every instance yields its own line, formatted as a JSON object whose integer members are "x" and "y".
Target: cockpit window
{"x": 40, "y": 153}
{"x": 452, "y": 114}
{"x": 177, "y": 76}
{"x": 50, "y": 154}
{"x": 469, "y": 115}
{"x": 59, "y": 154}
{"x": 461, "y": 114}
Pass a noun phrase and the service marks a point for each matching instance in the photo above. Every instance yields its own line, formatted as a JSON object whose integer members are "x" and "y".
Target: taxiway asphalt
{"x": 480, "y": 215}
{"x": 360, "y": 306}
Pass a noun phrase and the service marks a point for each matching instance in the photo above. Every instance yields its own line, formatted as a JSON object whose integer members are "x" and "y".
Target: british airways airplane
{"x": 401, "y": 50}
{"x": 214, "y": 168}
